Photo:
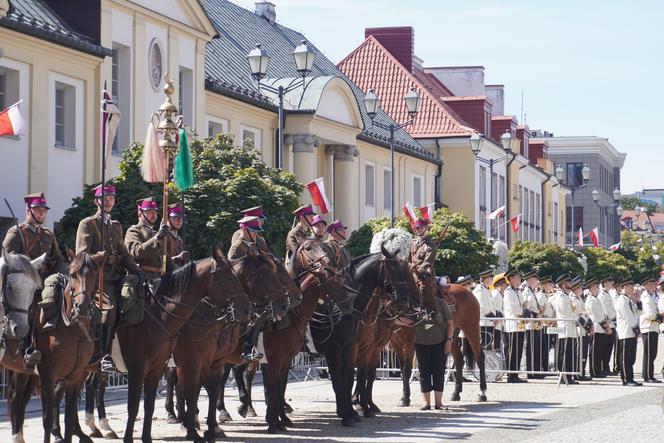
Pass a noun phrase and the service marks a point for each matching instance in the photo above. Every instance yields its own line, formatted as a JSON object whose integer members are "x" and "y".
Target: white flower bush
{"x": 395, "y": 240}
{"x": 501, "y": 250}
{"x": 583, "y": 261}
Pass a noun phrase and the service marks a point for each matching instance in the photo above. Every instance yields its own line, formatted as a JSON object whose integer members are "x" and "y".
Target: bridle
{"x": 264, "y": 307}
{"x": 8, "y": 308}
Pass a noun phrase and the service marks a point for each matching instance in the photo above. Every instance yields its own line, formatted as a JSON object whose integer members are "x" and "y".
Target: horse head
{"x": 396, "y": 279}
{"x": 224, "y": 278}
{"x": 19, "y": 280}
{"x": 258, "y": 275}
{"x": 83, "y": 281}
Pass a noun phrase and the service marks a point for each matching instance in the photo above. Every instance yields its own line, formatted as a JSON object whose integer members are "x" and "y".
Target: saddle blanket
{"x": 117, "y": 356}
{"x": 309, "y": 341}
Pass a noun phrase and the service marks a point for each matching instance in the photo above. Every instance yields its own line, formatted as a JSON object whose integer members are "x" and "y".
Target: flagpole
{"x": 101, "y": 210}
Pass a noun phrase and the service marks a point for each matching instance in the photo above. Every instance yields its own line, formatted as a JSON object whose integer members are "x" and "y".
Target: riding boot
{"x": 107, "y": 364}
{"x": 249, "y": 354}
{"x": 50, "y": 318}
{"x": 31, "y": 355}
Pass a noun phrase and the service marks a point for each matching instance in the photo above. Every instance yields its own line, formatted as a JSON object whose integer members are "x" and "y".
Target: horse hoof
{"x": 286, "y": 421}
{"x": 218, "y": 432}
{"x": 481, "y": 397}
{"x": 172, "y": 419}
{"x": 404, "y": 403}
{"x": 224, "y": 416}
{"x": 287, "y": 408}
{"x": 368, "y": 413}
{"x": 59, "y": 440}
{"x": 242, "y": 410}
{"x": 111, "y": 435}
{"x": 272, "y": 429}
{"x": 455, "y": 397}
{"x": 374, "y": 408}
{"x": 96, "y": 433}
{"x": 348, "y": 422}
{"x": 85, "y": 439}
{"x": 356, "y": 418}
{"x": 252, "y": 413}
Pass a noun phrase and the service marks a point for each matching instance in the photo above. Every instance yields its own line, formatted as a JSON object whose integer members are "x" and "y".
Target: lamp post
{"x": 476, "y": 141}
{"x": 585, "y": 176}
{"x": 605, "y": 209}
{"x": 258, "y": 60}
{"x": 371, "y": 102}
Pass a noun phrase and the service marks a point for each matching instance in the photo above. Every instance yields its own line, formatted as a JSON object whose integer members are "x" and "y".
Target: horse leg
{"x": 478, "y": 355}
{"x": 20, "y": 390}
{"x": 224, "y": 416}
{"x": 238, "y": 373}
{"x": 406, "y": 366}
{"x": 270, "y": 385}
{"x": 47, "y": 400}
{"x": 212, "y": 388}
{"x": 171, "y": 376}
{"x": 101, "y": 407}
{"x": 71, "y": 415}
{"x": 190, "y": 386}
{"x": 149, "y": 396}
{"x": 249, "y": 381}
{"x": 58, "y": 393}
{"x": 361, "y": 388}
{"x": 458, "y": 367}
{"x": 90, "y": 397}
{"x": 371, "y": 377}
{"x": 135, "y": 383}
{"x": 283, "y": 418}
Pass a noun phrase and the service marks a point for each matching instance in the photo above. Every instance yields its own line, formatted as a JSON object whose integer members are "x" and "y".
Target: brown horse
{"x": 466, "y": 313}
{"x": 147, "y": 346}
{"x": 66, "y": 351}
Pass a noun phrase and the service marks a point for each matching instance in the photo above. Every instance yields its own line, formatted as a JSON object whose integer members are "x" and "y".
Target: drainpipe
{"x": 543, "y": 209}
{"x": 508, "y": 199}
{"x": 438, "y": 176}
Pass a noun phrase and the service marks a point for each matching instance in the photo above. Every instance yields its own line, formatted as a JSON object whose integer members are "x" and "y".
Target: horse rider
{"x": 336, "y": 238}
{"x": 533, "y": 328}
{"x": 145, "y": 243}
{"x": 421, "y": 257}
{"x": 318, "y": 227}
{"x": 567, "y": 331}
{"x": 174, "y": 241}
{"x": 585, "y": 329}
{"x": 649, "y": 324}
{"x": 513, "y": 329}
{"x": 244, "y": 239}
{"x": 487, "y": 309}
{"x": 245, "y": 243}
{"x": 601, "y": 327}
{"x": 118, "y": 261}
{"x": 608, "y": 304}
{"x": 300, "y": 231}
{"x": 31, "y": 239}
{"x": 628, "y": 329}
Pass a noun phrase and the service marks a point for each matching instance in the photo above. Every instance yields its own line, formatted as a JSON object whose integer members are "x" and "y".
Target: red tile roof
{"x": 371, "y": 66}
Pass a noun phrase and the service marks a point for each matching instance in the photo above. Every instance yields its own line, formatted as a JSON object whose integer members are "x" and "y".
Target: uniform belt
{"x": 148, "y": 268}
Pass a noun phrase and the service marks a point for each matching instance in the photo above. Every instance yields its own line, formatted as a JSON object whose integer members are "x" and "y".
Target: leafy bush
{"x": 602, "y": 262}
{"x": 545, "y": 259}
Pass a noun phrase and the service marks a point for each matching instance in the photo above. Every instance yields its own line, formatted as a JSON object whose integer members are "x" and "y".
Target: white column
{"x": 305, "y": 166}
{"x": 346, "y": 184}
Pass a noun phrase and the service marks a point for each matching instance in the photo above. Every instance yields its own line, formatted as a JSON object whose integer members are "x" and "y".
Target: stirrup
{"x": 32, "y": 359}
{"x": 107, "y": 364}
{"x": 252, "y": 356}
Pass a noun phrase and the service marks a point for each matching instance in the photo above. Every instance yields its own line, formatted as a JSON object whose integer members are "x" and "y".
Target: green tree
{"x": 228, "y": 179}
{"x": 629, "y": 203}
{"x": 602, "y": 262}
{"x": 545, "y": 259}
{"x": 463, "y": 250}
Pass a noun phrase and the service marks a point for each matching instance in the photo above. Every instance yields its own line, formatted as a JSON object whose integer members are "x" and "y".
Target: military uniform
{"x": 534, "y": 335}
{"x": 174, "y": 246}
{"x": 600, "y": 339}
{"x": 627, "y": 321}
{"x": 295, "y": 237}
{"x": 146, "y": 249}
{"x": 649, "y": 323}
{"x": 610, "y": 309}
{"x": 38, "y": 241}
{"x": 513, "y": 305}
{"x": 241, "y": 247}
{"x": 567, "y": 331}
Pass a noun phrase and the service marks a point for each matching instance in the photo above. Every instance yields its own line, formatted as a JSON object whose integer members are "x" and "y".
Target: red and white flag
{"x": 615, "y": 247}
{"x": 500, "y": 212}
{"x": 515, "y": 222}
{"x": 318, "y": 197}
{"x": 11, "y": 121}
{"x": 111, "y": 121}
{"x": 594, "y": 236}
{"x": 426, "y": 212}
{"x": 410, "y": 213}
{"x": 580, "y": 238}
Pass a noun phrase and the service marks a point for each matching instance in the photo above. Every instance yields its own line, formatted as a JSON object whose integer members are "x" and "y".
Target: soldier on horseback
{"x": 336, "y": 238}
{"x": 31, "y": 239}
{"x": 174, "y": 241}
{"x": 145, "y": 243}
{"x": 318, "y": 227}
{"x": 302, "y": 229}
{"x": 421, "y": 256}
{"x": 118, "y": 261}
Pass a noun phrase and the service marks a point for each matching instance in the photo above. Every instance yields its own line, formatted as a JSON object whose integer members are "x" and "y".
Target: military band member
{"x": 533, "y": 329}
{"x": 499, "y": 286}
{"x": 465, "y": 281}
{"x": 608, "y": 303}
{"x": 585, "y": 326}
{"x": 118, "y": 261}
{"x": 514, "y": 329}
{"x": 31, "y": 239}
{"x": 601, "y": 327}
{"x": 318, "y": 227}
{"x": 245, "y": 239}
{"x": 628, "y": 330}
{"x": 544, "y": 295}
{"x": 649, "y": 324}
{"x": 302, "y": 229}
{"x": 144, "y": 243}
{"x": 567, "y": 330}
{"x": 487, "y": 308}
{"x": 174, "y": 241}
{"x": 336, "y": 237}
{"x": 421, "y": 257}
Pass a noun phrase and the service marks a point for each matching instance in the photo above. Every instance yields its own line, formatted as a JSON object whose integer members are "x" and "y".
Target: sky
{"x": 585, "y": 68}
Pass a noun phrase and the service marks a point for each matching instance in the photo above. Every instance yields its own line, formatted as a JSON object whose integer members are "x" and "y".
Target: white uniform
{"x": 497, "y": 299}
{"x": 562, "y": 303}
{"x": 580, "y": 308}
{"x": 597, "y": 313}
{"x": 607, "y": 303}
{"x": 660, "y": 307}
{"x": 531, "y": 303}
{"x": 512, "y": 309}
{"x": 543, "y": 300}
{"x": 485, "y": 300}
{"x": 649, "y": 314}
{"x": 627, "y": 318}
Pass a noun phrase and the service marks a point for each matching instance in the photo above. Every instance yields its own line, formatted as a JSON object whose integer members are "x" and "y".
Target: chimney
{"x": 399, "y": 41}
{"x": 266, "y": 10}
{"x": 496, "y": 93}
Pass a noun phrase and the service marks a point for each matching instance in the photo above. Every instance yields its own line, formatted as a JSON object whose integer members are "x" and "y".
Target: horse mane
{"x": 80, "y": 261}
{"x": 21, "y": 263}
{"x": 177, "y": 282}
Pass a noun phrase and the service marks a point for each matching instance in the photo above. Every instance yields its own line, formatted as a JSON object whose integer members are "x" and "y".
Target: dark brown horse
{"x": 466, "y": 313}
{"x": 66, "y": 351}
{"x": 147, "y": 346}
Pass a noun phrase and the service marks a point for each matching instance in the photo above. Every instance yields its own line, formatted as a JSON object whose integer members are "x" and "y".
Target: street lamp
{"x": 605, "y": 209}
{"x": 258, "y": 59}
{"x": 585, "y": 177}
{"x": 476, "y": 141}
{"x": 371, "y": 102}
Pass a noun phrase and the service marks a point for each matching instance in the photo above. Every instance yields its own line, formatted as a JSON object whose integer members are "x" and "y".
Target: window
{"x": 216, "y": 127}
{"x": 3, "y": 91}
{"x": 574, "y": 175}
{"x": 578, "y": 220}
{"x": 65, "y": 115}
{"x": 186, "y": 94}
{"x": 482, "y": 186}
{"x": 418, "y": 199}
{"x": 538, "y": 219}
{"x": 387, "y": 189}
{"x": 532, "y": 216}
{"x": 522, "y": 205}
{"x": 251, "y": 136}
{"x": 369, "y": 185}
{"x": 555, "y": 222}
{"x": 501, "y": 202}
{"x": 121, "y": 95}
{"x": 9, "y": 87}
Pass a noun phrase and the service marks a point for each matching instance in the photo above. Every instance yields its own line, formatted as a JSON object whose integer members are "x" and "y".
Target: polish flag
{"x": 515, "y": 223}
{"x": 318, "y": 197}
{"x": 11, "y": 121}
{"x": 410, "y": 213}
{"x": 500, "y": 212}
{"x": 580, "y": 235}
{"x": 594, "y": 237}
{"x": 426, "y": 212}
{"x": 615, "y": 247}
